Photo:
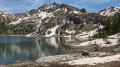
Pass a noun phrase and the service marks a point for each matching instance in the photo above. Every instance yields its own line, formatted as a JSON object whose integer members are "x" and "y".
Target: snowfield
{"x": 95, "y": 60}
{"x": 109, "y": 11}
{"x": 108, "y": 42}
{"x": 100, "y": 42}
{"x": 19, "y": 20}
{"x": 70, "y": 32}
{"x": 85, "y": 35}
{"x": 53, "y": 30}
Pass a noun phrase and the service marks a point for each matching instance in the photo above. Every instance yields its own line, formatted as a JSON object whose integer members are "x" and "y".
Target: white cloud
{"x": 20, "y": 5}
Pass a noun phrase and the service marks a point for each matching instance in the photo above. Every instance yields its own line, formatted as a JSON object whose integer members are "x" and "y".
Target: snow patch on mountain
{"x": 76, "y": 12}
{"x": 4, "y": 17}
{"x": 40, "y": 14}
{"x": 50, "y": 6}
{"x": 86, "y": 35}
{"x": 57, "y": 10}
{"x": 39, "y": 22}
{"x": 110, "y": 41}
{"x": 28, "y": 35}
{"x": 109, "y": 11}
{"x": 70, "y": 32}
{"x": 18, "y": 21}
{"x": 115, "y": 36}
{"x": 45, "y": 14}
{"x": 52, "y": 30}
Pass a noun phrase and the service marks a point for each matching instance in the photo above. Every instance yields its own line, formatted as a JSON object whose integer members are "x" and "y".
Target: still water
{"x": 30, "y": 48}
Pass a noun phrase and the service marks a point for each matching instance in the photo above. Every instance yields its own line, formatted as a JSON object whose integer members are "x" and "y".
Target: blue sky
{"x": 20, "y": 6}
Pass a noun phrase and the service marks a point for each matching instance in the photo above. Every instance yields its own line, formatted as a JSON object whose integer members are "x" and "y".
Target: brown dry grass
{"x": 110, "y": 64}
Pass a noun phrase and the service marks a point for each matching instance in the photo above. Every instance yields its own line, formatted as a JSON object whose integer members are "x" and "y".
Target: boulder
{"x": 85, "y": 53}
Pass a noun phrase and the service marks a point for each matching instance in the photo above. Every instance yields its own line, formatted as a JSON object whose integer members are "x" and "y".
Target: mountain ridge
{"x": 109, "y": 11}
{"x": 62, "y": 18}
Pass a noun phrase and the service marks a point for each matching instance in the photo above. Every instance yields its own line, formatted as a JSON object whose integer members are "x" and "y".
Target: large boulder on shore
{"x": 59, "y": 58}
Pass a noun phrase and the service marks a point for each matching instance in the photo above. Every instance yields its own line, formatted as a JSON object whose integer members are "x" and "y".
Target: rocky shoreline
{"x": 62, "y": 59}
{"x": 57, "y": 60}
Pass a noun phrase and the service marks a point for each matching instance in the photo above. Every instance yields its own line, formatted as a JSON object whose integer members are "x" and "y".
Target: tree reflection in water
{"x": 25, "y": 49}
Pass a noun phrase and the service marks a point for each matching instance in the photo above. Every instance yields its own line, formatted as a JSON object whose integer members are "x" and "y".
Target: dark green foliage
{"x": 81, "y": 26}
{"x": 61, "y": 32}
{"x": 48, "y": 32}
{"x": 42, "y": 31}
{"x": 116, "y": 26}
{"x": 101, "y": 34}
{"x": 57, "y": 31}
{"x": 3, "y": 28}
{"x": 109, "y": 28}
{"x": 87, "y": 17}
{"x": 20, "y": 29}
{"x": 65, "y": 26}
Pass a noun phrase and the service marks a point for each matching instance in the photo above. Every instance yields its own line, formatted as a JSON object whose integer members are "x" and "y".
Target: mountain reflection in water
{"x": 30, "y": 48}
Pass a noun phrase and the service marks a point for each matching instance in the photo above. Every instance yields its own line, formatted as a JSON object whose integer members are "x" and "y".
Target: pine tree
{"x": 107, "y": 27}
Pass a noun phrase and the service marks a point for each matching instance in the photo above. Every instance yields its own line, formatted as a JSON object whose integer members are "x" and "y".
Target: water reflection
{"x": 24, "y": 49}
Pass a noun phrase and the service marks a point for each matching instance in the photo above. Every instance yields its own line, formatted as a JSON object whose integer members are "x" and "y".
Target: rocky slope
{"x": 109, "y": 11}
{"x": 52, "y": 19}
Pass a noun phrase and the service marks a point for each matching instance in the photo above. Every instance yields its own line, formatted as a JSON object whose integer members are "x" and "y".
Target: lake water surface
{"x": 30, "y": 48}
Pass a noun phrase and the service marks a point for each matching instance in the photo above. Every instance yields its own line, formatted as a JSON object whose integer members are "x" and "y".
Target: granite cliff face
{"x": 52, "y": 19}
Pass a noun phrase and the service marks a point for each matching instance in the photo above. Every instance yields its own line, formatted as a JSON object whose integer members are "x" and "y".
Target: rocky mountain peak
{"x": 109, "y": 11}
{"x": 49, "y": 20}
{"x": 55, "y": 6}
{"x": 55, "y": 3}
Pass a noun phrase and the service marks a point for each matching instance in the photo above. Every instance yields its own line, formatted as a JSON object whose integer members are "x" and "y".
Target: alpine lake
{"x": 15, "y": 48}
